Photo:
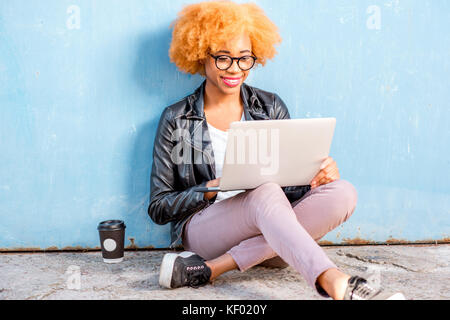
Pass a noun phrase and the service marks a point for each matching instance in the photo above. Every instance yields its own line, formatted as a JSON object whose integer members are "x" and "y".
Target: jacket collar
{"x": 252, "y": 106}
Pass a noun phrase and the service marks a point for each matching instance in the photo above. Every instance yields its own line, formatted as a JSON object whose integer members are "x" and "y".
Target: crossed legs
{"x": 261, "y": 227}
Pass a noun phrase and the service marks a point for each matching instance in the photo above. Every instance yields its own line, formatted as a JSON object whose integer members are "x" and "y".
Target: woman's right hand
{"x": 209, "y": 184}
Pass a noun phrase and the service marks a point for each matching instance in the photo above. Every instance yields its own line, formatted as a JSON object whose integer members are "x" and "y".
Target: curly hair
{"x": 202, "y": 27}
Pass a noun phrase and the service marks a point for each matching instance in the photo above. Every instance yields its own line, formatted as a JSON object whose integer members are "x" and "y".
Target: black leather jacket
{"x": 172, "y": 198}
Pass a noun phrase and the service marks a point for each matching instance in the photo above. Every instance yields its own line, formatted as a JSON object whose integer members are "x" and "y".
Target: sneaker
{"x": 184, "y": 269}
{"x": 358, "y": 289}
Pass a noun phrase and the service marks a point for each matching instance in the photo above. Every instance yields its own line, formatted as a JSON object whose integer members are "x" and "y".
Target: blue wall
{"x": 83, "y": 83}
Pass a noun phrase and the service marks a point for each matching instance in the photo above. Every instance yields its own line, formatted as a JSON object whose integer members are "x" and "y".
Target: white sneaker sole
{"x": 166, "y": 270}
{"x": 397, "y": 296}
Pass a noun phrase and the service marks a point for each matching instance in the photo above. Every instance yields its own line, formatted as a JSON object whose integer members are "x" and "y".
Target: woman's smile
{"x": 231, "y": 82}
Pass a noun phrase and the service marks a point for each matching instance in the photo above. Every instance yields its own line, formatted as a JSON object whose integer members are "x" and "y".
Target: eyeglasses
{"x": 224, "y": 62}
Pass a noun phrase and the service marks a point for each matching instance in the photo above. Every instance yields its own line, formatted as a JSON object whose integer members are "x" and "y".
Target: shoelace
{"x": 196, "y": 276}
{"x": 361, "y": 290}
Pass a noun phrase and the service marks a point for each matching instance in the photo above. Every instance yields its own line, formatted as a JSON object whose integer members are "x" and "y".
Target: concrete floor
{"x": 420, "y": 272}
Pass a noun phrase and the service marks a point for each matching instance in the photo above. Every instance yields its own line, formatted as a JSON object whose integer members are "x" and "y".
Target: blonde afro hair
{"x": 202, "y": 27}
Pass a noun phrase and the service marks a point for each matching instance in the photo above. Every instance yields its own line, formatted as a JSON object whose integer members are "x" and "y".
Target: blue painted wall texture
{"x": 83, "y": 84}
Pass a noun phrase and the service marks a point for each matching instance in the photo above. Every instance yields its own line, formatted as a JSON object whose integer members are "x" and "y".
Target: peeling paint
{"x": 31, "y": 249}
{"x": 356, "y": 241}
{"x": 325, "y": 243}
{"x": 76, "y": 248}
{"x": 393, "y": 241}
{"x": 132, "y": 245}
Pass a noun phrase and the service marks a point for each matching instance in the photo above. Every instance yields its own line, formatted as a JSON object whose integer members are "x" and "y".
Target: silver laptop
{"x": 288, "y": 152}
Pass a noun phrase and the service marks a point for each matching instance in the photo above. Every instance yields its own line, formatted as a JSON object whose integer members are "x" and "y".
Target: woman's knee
{"x": 345, "y": 197}
{"x": 268, "y": 187}
{"x": 266, "y": 191}
{"x": 269, "y": 191}
{"x": 266, "y": 196}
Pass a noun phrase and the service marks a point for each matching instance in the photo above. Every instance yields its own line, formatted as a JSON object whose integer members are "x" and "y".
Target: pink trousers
{"x": 261, "y": 227}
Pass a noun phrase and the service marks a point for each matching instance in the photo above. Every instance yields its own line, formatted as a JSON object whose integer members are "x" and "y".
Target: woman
{"x": 269, "y": 225}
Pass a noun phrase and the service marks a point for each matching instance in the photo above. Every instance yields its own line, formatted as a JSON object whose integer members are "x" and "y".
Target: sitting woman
{"x": 269, "y": 225}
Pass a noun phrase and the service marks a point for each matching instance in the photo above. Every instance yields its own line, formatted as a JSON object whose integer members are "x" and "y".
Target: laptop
{"x": 288, "y": 152}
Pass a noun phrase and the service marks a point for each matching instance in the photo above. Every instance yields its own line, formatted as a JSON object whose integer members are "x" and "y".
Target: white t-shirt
{"x": 219, "y": 143}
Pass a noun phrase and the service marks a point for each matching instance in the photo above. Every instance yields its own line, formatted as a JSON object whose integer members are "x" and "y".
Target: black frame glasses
{"x": 232, "y": 61}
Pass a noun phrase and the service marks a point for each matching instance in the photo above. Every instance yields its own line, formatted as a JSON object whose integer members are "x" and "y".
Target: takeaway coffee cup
{"x": 112, "y": 237}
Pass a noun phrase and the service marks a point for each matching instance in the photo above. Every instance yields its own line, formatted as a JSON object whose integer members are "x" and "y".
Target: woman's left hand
{"x": 328, "y": 173}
